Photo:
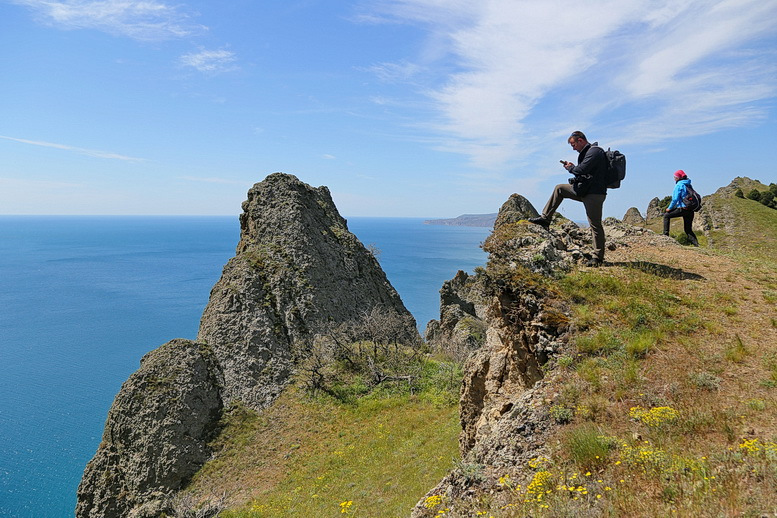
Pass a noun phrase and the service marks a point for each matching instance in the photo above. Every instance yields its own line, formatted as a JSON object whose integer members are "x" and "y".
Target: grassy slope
{"x": 689, "y": 330}
{"x": 304, "y": 456}
{"x": 754, "y": 229}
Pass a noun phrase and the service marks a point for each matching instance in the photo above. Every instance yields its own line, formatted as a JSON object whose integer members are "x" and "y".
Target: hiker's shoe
{"x": 594, "y": 262}
{"x": 540, "y": 221}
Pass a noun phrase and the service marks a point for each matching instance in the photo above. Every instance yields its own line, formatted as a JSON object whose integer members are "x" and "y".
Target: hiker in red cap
{"x": 680, "y": 206}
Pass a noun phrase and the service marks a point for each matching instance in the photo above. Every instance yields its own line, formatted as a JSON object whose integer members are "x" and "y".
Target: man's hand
{"x": 568, "y": 165}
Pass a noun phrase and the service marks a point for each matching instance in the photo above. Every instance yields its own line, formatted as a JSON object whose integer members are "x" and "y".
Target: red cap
{"x": 680, "y": 175}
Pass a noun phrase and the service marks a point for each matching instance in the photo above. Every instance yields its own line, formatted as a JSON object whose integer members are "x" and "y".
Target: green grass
{"x": 754, "y": 228}
{"x": 381, "y": 455}
{"x": 588, "y": 448}
{"x": 304, "y": 456}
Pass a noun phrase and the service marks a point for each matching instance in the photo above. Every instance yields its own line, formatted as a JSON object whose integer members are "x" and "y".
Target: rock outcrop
{"x": 654, "y": 210}
{"x": 515, "y": 209}
{"x": 156, "y": 434}
{"x": 503, "y": 416}
{"x": 633, "y": 217}
{"x": 461, "y": 328}
{"x": 507, "y": 385}
{"x": 297, "y": 269}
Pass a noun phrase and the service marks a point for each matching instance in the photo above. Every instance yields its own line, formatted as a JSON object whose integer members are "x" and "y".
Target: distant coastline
{"x": 466, "y": 220}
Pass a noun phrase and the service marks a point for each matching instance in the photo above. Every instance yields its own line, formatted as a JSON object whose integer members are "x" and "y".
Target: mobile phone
{"x": 563, "y": 161}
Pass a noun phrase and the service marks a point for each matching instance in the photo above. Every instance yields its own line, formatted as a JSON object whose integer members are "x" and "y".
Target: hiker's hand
{"x": 568, "y": 165}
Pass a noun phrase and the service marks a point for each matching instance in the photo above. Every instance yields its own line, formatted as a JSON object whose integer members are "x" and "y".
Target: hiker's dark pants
{"x": 593, "y": 210}
{"x": 687, "y": 216}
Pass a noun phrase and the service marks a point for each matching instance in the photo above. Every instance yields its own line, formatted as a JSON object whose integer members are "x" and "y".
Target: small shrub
{"x": 561, "y": 414}
{"x": 588, "y": 447}
{"x": 739, "y": 194}
{"x": 754, "y": 195}
{"x": 602, "y": 341}
{"x": 639, "y": 345}
{"x": 705, "y": 380}
{"x": 591, "y": 371}
{"x": 758, "y": 405}
{"x": 737, "y": 352}
{"x": 570, "y": 394}
{"x": 471, "y": 471}
{"x": 656, "y": 417}
{"x": 565, "y": 361}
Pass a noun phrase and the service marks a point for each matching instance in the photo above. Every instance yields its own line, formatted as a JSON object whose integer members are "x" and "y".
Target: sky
{"x": 402, "y": 108}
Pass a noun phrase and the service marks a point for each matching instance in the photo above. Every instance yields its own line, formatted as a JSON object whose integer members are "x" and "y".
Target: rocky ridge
{"x": 297, "y": 269}
{"x": 514, "y": 328}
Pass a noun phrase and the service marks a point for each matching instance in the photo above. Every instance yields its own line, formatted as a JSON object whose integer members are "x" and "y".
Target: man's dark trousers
{"x": 593, "y": 210}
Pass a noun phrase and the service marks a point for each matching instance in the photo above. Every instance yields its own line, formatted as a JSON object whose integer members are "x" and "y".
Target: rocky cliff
{"x": 297, "y": 269}
{"x": 521, "y": 327}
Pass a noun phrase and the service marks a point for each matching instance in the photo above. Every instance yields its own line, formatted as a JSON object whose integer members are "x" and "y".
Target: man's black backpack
{"x": 616, "y": 167}
{"x": 692, "y": 199}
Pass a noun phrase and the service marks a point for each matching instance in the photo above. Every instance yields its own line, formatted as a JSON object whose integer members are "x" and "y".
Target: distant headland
{"x": 466, "y": 220}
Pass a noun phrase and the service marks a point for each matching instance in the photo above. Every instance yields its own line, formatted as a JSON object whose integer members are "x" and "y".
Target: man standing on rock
{"x": 588, "y": 185}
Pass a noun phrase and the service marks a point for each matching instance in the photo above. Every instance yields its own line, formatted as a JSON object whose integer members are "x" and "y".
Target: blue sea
{"x": 82, "y": 299}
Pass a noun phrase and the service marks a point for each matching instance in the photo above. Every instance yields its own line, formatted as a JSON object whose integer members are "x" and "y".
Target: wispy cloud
{"x": 210, "y": 61}
{"x": 147, "y": 20}
{"x": 518, "y": 74}
{"x": 79, "y": 150}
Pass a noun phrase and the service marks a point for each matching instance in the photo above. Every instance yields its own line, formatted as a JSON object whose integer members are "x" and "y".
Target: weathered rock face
{"x": 515, "y": 209}
{"x": 156, "y": 433}
{"x": 297, "y": 269}
{"x": 461, "y": 328}
{"x": 504, "y": 408}
{"x": 653, "y": 210}
{"x": 633, "y": 217}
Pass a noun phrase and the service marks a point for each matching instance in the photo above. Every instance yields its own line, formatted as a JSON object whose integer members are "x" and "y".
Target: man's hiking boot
{"x": 594, "y": 262}
{"x": 540, "y": 221}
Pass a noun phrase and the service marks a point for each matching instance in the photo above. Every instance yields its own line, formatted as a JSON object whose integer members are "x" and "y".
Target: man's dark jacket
{"x": 590, "y": 171}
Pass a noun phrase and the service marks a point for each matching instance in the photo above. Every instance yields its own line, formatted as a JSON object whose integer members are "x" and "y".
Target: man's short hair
{"x": 578, "y": 135}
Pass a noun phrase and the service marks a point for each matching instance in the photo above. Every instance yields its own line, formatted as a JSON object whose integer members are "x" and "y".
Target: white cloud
{"x": 519, "y": 73}
{"x": 210, "y": 61}
{"x": 147, "y": 20}
{"x": 81, "y": 151}
{"x": 393, "y": 72}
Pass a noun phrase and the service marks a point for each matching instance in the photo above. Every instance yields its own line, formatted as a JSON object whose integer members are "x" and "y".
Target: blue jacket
{"x": 679, "y": 193}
